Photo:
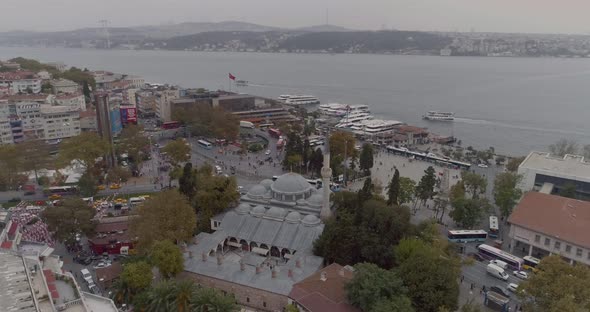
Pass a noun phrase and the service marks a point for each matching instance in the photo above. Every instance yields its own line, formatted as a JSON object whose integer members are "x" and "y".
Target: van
{"x": 87, "y": 276}
{"x": 497, "y": 272}
{"x": 500, "y": 263}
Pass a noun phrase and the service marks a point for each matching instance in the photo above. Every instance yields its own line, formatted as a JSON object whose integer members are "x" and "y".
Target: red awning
{"x": 12, "y": 229}
{"x": 54, "y": 294}
{"x": 6, "y": 245}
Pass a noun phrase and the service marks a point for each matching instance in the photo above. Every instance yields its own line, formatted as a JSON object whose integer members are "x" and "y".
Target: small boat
{"x": 439, "y": 116}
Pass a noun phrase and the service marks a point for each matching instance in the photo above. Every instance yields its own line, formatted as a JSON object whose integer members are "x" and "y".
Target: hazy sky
{"x": 549, "y": 16}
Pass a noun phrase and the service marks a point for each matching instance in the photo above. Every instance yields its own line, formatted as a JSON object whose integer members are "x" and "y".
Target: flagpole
{"x": 229, "y": 83}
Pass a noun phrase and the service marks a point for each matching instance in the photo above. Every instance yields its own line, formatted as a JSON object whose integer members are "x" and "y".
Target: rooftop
{"x": 57, "y": 109}
{"x": 564, "y": 218}
{"x": 324, "y": 290}
{"x": 63, "y": 83}
{"x": 573, "y": 166}
{"x": 110, "y": 272}
{"x": 15, "y": 286}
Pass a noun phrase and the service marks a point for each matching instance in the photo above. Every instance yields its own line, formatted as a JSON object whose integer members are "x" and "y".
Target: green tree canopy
{"x": 87, "y": 184}
{"x": 208, "y": 299}
{"x": 556, "y": 287}
{"x": 86, "y": 147}
{"x": 133, "y": 142}
{"x": 72, "y": 216}
{"x": 137, "y": 275}
{"x": 167, "y": 257}
{"x": 513, "y": 163}
{"x": 179, "y": 151}
{"x": 209, "y": 121}
{"x": 506, "y": 192}
{"x": 474, "y": 183}
{"x": 214, "y": 195}
{"x": 172, "y": 213}
{"x": 468, "y": 212}
{"x": 393, "y": 189}
{"x": 373, "y": 288}
{"x": 407, "y": 189}
{"x": 366, "y": 158}
{"x": 425, "y": 188}
{"x": 429, "y": 273}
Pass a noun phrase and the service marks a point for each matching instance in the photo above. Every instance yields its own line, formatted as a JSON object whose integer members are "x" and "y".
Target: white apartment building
{"x": 32, "y": 121}
{"x": 541, "y": 168}
{"x": 163, "y": 109}
{"x": 21, "y": 85}
{"x": 64, "y": 86}
{"x": 543, "y": 224}
{"x": 60, "y": 122}
{"x": 136, "y": 82}
{"x": 76, "y": 99}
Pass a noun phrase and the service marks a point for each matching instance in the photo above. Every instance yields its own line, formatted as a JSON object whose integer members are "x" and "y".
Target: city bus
{"x": 491, "y": 253}
{"x": 171, "y": 125}
{"x": 466, "y": 236}
{"x": 530, "y": 263}
{"x": 60, "y": 190}
{"x": 204, "y": 144}
{"x": 494, "y": 226}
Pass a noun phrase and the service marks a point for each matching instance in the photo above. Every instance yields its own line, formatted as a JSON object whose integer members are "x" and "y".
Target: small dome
{"x": 243, "y": 208}
{"x": 310, "y": 220}
{"x": 257, "y": 191}
{"x": 293, "y": 217}
{"x": 275, "y": 213}
{"x": 316, "y": 200}
{"x": 258, "y": 211}
{"x": 266, "y": 183}
{"x": 291, "y": 184}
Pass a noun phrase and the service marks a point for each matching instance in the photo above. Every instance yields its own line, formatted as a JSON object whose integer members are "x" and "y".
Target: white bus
{"x": 136, "y": 200}
{"x": 465, "y": 236}
{"x": 204, "y": 144}
{"x": 494, "y": 228}
{"x": 530, "y": 263}
{"x": 492, "y": 253}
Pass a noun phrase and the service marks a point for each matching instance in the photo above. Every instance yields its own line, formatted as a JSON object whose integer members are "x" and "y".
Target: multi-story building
{"x": 540, "y": 168}
{"x": 64, "y": 86}
{"x": 32, "y": 121}
{"x": 136, "y": 82}
{"x": 88, "y": 121}
{"x": 60, "y": 121}
{"x": 20, "y": 82}
{"x": 165, "y": 97}
{"x": 543, "y": 224}
{"x": 75, "y": 99}
{"x": 235, "y": 102}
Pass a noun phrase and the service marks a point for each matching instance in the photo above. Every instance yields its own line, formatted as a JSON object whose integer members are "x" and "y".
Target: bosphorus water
{"x": 513, "y": 104}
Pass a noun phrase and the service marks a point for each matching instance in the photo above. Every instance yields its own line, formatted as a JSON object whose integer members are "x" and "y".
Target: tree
{"x": 397, "y": 304}
{"x": 568, "y": 190}
{"x": 204, "y": 120}
{"x": 341, "y": 143}
{"x": 506, "y": 192}
{"x": 474, "y": 183}
{"x": 34, "y": 156}
{"x": 118, "y": 175}
{"x": 167, "y": 257}
{"x": 425, "y": 188}
{"x": 407, "y": 188}
{"x": 371, "y": 287}
{"x": 10, "y": 166}
{"x": 563, "y": 147}
{"x": 208, "y": 299}
{"x": 470, "y": 306}
{"x": 393, "y": 190}
{"x": 366, "y": 192}
{"x": 72, "y": 216}
{"x": 316, "y": 162}
{"x": 161, "y": 297}
{"x": 86, "y": 90}
{"x": 183, "y": 291}
{"x": 468, "y": 212}
{"x": 513, "y": 164}
{"x": 86, "y": 147}
{"x": 172, "y": 213}
{"x": 429, "y": 273}
{"x": 178, "y": 151}
{"x": 137, "y": 275}
{"x": 215, "y": 194}
{"x": 133, "y": 142}
{"x": 188, "y": 182}
{"x": 557, "y": 286}
{"x": 366, "y": 158}
{"x": 87, "y": 184}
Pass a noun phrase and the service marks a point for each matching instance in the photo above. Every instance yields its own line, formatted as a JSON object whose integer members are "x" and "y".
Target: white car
{"x": 521, "y": 274}
{"x": 512, "y": 287}
{"x": 267, "y": 152}
{"x": 482, "y": 165}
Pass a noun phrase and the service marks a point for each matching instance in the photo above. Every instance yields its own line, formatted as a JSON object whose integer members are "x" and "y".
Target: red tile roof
{"x": 564, "y": 218}
{"x": 6, "y": 245}
{"x": 109, "y": 273}
{"x": 12, "y": 228}
{"x": 317, "y": 295}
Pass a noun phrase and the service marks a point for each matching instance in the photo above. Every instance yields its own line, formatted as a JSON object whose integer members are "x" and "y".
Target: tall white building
{"x": 20, "y": 82}
{"x": 60, "y": 122}
{"x": 164, "y": 110}
{"x": 64, "y": 86}
{"x": 76, "y": 99}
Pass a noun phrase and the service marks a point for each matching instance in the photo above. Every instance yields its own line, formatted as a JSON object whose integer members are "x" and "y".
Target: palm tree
{"x": 122, "y": 292}
{"x": 161, "y": 297}
{"x": 184, "y": 290}
{"x": 210, "y": 300}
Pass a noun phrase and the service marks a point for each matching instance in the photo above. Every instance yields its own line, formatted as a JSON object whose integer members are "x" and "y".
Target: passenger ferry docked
{"x": 337, "y": 109}
{"x": 297, "y": 100}
{"x": 439, "y": 116}
{"x": 353, "y": 119}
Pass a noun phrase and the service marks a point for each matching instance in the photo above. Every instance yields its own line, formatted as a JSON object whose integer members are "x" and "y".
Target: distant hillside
{"x": 184, "y": 29}
{"x": 323, "y": 28}
{"x": 328, "y": 42}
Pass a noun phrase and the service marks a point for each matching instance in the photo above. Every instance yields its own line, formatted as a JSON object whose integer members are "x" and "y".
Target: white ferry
{"x": 375, "y": 126}
{"x": 298, "y": 100}
{"x": 337, "y": 109}
{"x": 353, "y": 119}
{"x": 439, "y": 116}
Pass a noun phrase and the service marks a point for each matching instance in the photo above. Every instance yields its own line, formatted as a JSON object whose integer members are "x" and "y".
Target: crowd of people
{"x": 33, "y": 229}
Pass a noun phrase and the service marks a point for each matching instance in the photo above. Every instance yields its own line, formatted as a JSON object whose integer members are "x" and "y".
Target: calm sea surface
{"x": 513, "y": 104}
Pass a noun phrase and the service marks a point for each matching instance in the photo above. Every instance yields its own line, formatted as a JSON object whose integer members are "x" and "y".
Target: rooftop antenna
{"x": 105, "y": 28}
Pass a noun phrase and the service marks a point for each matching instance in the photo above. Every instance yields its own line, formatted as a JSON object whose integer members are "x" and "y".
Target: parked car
{"x": 482, "y": 165}
{"x": 500, "y": 290}
{"x": 521, "y": 274}
{"x": 267, "y": 152}
{"x": 512, "y": 287}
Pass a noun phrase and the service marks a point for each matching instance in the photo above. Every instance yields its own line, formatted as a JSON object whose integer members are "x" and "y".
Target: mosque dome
{"x": 293, "y": 217}
{"x": 275, "y": 213}
{"x": 291, "y": 184}
{"x": 266, "y": 183}
{"x": 310, "y": 220}
{"x": 257, "y": 191}
{"x": 316, "y": 200}
{"x": 242, "y": 208}
{"x": 258, "y": 211}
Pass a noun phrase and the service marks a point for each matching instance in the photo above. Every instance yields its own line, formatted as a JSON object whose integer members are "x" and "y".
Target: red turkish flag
{"x": 232, "y": 77}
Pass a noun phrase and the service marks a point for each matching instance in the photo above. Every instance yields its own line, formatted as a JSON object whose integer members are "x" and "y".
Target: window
{"x": 547, "y": 241}
{"x": 557, "y": 245}
{"x": 247, "y": 299}
{"x": 568, "y": 248}
{"x": 264, "y": 304}
{"x": 588, "y": 255}
{"x": 578, "y": 252}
